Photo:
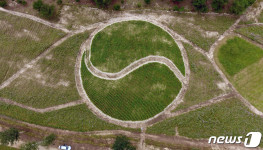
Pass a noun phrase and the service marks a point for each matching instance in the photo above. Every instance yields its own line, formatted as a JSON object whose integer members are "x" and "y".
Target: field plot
{"x": 21, "y": 41}
{"x": 202, "y": 30}
{"x": 77, "y": 118}
{"x": 205, "y": 83}
{"x": 120, "y": 44}
{"x": 52, "y": 80}
{"x": 242, "y": 62}
{"x": 255, "y": 33}
{"x": 229, "y": 117}
{"x": 138, "y": 96}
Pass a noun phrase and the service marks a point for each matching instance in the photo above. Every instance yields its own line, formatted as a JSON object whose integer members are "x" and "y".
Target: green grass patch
{"x": 120, "y": 44}
{"x": 204, "y": 80}
{"x": 3, "y": 147}
{"x": 138, "y": 96}
{"x": 255, "y": 33}
{"x": 237, "y": 54}
{"x": 52, "y": 80}
{"x": 21, "y": 41}
{"x": 249, "y": 83}
{"x": 229, "y": 118}
{"x": 76, "y": 118}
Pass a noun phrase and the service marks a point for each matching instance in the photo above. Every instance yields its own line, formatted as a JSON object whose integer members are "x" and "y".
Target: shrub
{"x": 139, "y": 5}
{"x": 23, "y": 2}
{"x": 29, "y": 146}
{"x": 37, "y": 5}
{"x": 147, "y": 1}
{"x": 102, "y": 3}
{"x": 3, "y": 3}
{"x": 9, "y": 136}
{"x": 122, "y": 143}
{"x": 77, "y": 0}
{"x": 200, "y": 5}
{"x": 122, "y": 1}
{"x": 48, "y": 140}
{"x": 240, "y": 5}
{"x": 218, "y": 5}
{"x": 176, "y": 8}
{"x": 45, "y": 10}
{"x": 116, "y": 7}
{"x": 59, "y": 2}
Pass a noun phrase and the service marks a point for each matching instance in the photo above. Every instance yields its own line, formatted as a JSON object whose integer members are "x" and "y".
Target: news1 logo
{"x": 252, "y": 139}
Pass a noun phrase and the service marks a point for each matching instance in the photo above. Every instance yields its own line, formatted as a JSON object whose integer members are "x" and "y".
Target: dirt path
{"x": 135, "y": 65}
{"x": 44, "y": 110}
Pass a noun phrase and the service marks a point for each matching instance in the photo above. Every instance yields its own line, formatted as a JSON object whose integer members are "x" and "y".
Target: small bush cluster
{"x": 200, "y": 5}
{"x": 239, "y": 6}
{"x": 103, "y": 3}
{"x": 147, "y": 1}
{"x": 122, "y": 142}
{"x": 117, "y": 7}
{"x": 29, "y": 146}
{"x": 23, "y": 2}
{"x": 45, "y": 10}
{"x": 3, "y": 3}
{"x": 48, "y": 140}
{"x": 176, "y": 8}
{"x": 218, "y": 5}
{"x": 9, "y": 136}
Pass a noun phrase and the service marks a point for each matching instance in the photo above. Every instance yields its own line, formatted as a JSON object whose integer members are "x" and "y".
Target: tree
{"x": 122, "y": 143}
{"x": 3, "y": 3}
{"x": 37, "y": 5}
{"x": 29, "y": 146}
{"x": 59, "y": 2}
{"x": 240, "y": 5}
{"x": 218, "y": 5}
{"x": 48, "y": 140}
{"x": 103, "y": 3}
{"x": 200, "y": 5}
{"x": 116, "y": 7}
{"x": 9, "y": 136}
{"x": 147, "y": 1}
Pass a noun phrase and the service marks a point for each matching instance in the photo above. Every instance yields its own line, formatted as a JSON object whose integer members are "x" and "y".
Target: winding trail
{"x": 44, "y": 110}
{"x": 135, "y": 65}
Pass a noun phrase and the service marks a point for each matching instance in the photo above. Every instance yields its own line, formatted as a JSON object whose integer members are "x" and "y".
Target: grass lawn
{"x": 249, "y": 83}
{"x": 76, "y": 118}
{"x": 21, "y": 41}
{"x": 3, "y": 147}
{"x": 255, "y": 33}
{"x": 246, "y": 72}
{"x": 138, "y": 96}
{"x": 204, "y": 80}
{"x": 120, "y": 44}
{"x": 229, "y": 118}
{"x": 52, "y": 80}
{"x": 237, "y": 54}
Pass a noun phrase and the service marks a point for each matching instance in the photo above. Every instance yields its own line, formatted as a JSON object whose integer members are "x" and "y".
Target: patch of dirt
{"x": 223, "y": 86}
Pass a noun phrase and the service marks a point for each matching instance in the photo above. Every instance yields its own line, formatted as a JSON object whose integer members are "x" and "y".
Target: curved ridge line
{"x": 135, "y": 65}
